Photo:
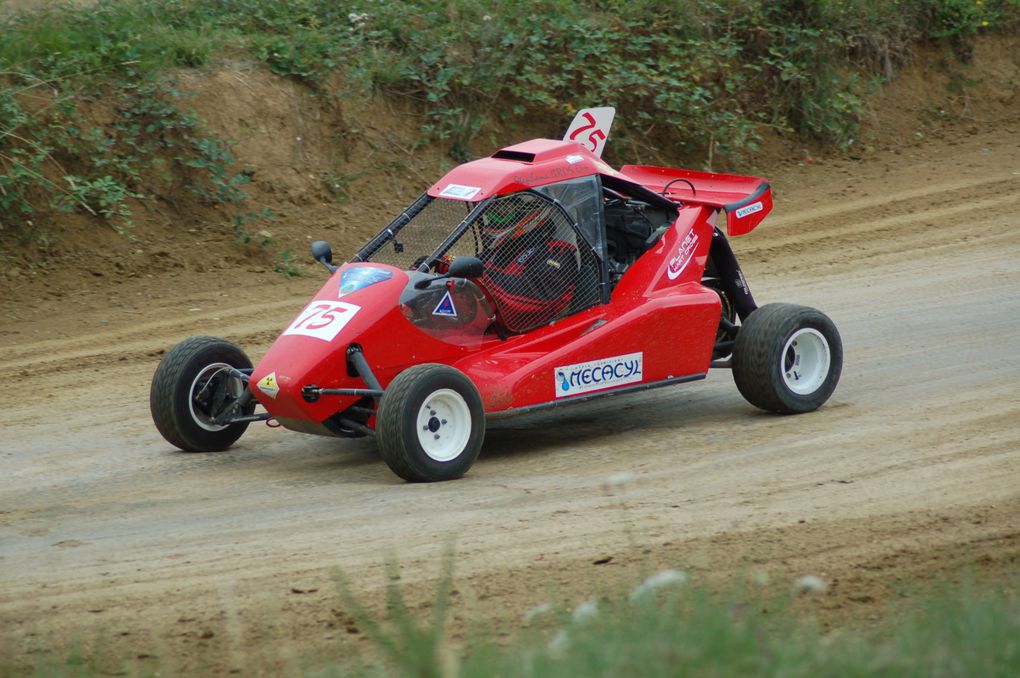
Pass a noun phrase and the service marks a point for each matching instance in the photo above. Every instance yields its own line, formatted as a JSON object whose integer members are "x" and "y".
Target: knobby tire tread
{"x": 163, "y": 391}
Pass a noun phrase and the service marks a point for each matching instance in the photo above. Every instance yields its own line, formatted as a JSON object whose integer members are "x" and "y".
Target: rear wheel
{"x": 787, "y": 358}
{"x": 431, "y": 423}
{"x": 727, "y": 319}
{"x": 197, "y": 380}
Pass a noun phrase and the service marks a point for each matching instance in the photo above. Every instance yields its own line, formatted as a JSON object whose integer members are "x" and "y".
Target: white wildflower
{"x": 657, "y": 581}
{"x": 809, "y": 583}
{"x": 585, "y": 611}
{"x": 619, "y": 479}
{"x": 559, "y": 644}
{"x": 537, "y": 611}
{"x": 357, "y": 19}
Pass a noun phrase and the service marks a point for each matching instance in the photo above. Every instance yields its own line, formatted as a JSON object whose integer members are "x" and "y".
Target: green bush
{"x": 60, "y": 64}
{"x": 54, "y": 155}
{"x": 702, "y": 76}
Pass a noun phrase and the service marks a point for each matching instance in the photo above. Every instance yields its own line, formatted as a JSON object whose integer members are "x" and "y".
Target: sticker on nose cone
{"x": 268, "y": 385}
{"x": 360, "y": 277}
{"x": 323, "y": 319}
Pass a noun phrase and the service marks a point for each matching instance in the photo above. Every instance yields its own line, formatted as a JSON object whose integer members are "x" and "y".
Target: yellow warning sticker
{"x": 268, "y": 385}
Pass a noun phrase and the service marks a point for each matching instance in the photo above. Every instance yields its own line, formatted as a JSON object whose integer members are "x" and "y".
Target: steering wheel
{"x": 665, "y": 188}
{"x": 437, "y": 265}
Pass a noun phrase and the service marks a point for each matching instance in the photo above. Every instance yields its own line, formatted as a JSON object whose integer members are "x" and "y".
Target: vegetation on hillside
{"x": 91, "y": 117}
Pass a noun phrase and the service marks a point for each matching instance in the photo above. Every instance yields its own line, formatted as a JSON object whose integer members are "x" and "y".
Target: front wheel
{"x": 431, "y": 424}
{"x": 196, "y": 381}
{"x": 787, "y": 358}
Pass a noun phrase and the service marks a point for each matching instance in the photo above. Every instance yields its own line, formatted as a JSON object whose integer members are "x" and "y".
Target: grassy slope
{"x": 698, "y": 79}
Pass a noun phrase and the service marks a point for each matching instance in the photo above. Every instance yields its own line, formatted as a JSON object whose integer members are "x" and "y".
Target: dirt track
{"x": 226, "y": 560}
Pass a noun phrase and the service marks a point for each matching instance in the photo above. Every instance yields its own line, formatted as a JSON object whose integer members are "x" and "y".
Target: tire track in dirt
{"x": 146, "y": 337}
{"x": 885, "y": 231}
{"x": 898, "y": 202}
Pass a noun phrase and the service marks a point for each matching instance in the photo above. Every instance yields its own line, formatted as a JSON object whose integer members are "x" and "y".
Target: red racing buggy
{"x": 532, "y": 278}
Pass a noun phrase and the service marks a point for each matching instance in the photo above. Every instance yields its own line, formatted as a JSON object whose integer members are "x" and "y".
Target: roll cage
{"x": 432, "y": 228}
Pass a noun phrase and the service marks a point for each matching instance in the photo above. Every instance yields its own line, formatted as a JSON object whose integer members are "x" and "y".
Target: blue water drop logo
{"x": 359, "y": 277}
{"x": 564, "y": 385}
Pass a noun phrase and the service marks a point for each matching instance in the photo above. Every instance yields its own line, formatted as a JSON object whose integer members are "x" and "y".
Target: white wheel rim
{"x": 444, "y": 425}
{"x": 201, "y": 382}
{"x": 805, "y": 361}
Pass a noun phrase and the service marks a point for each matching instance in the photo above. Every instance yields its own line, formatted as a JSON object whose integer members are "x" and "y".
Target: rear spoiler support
{"x": 746, "y": 200}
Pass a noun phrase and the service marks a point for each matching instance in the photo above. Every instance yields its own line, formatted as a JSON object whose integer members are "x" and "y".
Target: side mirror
{"x": 465, "y": 267}
{"x": 323, "y": 253}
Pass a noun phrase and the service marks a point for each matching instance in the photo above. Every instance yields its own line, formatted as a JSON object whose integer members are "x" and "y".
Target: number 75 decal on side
{"x": 323, "y": 319}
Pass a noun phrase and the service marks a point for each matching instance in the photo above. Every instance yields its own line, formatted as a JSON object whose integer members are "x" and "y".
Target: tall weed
{"x": 669, "y": 626}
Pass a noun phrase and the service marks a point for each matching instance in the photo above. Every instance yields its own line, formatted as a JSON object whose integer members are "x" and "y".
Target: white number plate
{"x": 323, "y": 319}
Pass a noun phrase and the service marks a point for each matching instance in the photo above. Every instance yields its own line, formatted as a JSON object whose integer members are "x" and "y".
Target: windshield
{"x": 428, "y": 224}
{"x": 416, "y": 233}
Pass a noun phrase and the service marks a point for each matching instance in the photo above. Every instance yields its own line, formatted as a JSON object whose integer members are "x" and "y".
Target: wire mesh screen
{"x": 536, "y": 268}
{"x": 426, "y": 231}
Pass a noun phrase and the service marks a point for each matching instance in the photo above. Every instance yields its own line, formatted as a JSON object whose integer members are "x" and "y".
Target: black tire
{"x": 405, "y": 424}
{"x": 773, "y": 342}
{"x": 187, "y": 385}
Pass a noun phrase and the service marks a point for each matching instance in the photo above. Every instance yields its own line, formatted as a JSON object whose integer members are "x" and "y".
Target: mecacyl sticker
{"x": 596, "y": 375}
